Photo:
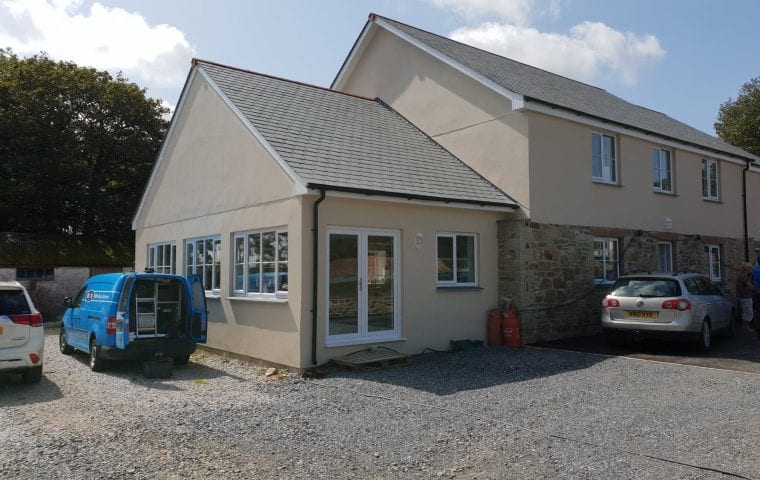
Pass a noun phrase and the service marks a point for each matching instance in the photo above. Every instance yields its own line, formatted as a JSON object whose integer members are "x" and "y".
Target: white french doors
{"x": 362, "y": 286}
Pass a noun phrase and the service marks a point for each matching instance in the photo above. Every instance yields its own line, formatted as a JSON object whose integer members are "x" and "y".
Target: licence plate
{"x": 640, "y": 314}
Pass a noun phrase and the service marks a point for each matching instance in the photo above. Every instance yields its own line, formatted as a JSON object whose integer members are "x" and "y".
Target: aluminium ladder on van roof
{"x": 148, "y": 310}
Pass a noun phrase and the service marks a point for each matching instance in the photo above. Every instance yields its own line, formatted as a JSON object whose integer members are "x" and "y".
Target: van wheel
{"x": 66, "y": 349}
{"x": 705, "y": 336}
{"x": 181, "y": 360}
{"x": 32, "y": 375}
{"x": 96, "y": 361}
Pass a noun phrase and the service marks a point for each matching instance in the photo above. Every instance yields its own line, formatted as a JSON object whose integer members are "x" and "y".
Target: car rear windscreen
{"x": 13, "y": 302}
{"x": 646, "y": 287}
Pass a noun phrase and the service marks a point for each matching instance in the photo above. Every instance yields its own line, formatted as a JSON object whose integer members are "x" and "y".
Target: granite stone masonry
{"x": 547, "y": 271}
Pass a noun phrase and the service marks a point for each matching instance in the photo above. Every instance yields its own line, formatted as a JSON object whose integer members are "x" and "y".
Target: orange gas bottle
{"x": 495, "y": 333}
{"x": 511, "y": 329}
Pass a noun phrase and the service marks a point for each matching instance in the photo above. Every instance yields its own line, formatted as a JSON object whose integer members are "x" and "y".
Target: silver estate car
{"x": 680, "y": 305}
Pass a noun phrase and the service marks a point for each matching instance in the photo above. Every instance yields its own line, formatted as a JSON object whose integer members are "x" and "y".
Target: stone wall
{"x": 547, "y": 271}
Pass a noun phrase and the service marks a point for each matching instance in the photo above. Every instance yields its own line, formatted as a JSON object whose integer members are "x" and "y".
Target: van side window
{"x": 124, "y": 298}
{"x": 78, "y": 298}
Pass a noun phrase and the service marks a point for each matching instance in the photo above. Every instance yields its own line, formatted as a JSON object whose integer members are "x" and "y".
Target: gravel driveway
{"x": 484, "y": 413}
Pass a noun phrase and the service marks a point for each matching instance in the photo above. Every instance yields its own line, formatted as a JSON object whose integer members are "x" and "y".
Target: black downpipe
{"x": 315, "y": 277}
{"x": 744, "y": 205}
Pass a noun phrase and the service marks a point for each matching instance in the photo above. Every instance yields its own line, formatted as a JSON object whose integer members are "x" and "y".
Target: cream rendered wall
{"x": 564, "y": 193}
{"x": 429, "y": 317}
{"x": 216, "y": 179}
{"x": 472, "y": 122}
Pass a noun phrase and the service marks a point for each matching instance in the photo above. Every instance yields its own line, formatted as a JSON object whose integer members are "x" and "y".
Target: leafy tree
{"x": 76, "y": 147}
{"x": 739, "y": 120}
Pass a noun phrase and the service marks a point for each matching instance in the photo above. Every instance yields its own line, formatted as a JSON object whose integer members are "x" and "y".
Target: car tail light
{"x": 111, "y": 325}
{"x": 34, "y": 358}
{"x": 31, "y": 319}
{"x": 609, "y": 302}
{"x": 680, "y": 304}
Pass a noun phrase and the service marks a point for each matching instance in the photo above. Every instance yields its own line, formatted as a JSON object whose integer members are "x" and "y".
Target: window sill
{"x": 603, "y": 283}
{"x": 604, "y": 182}
{"x": 456, "y": 288}
{"x": 260, "y": 299}
{"x": 362, "y": 341}
{"x": 712, "y": 200}
{"x": 213, "y": 296}
{"x": 665, "y": 192}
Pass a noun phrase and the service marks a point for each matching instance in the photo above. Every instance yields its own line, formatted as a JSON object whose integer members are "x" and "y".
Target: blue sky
{"x": 680, "y": 57}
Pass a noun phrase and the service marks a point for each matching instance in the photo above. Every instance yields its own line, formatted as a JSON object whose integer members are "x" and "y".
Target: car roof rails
{"x": 681, "y": 272}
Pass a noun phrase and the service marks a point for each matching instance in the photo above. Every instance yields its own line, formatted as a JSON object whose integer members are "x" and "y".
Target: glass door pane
{"x": 380, "y": 283}
{"x": 343, "y": 286}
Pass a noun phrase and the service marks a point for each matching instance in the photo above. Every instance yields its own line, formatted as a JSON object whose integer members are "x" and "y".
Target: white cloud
{"x": 587, "y": 51}
{"x": 106, "y": 38}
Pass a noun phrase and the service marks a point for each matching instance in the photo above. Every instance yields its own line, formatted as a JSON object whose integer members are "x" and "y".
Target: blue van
{"x": 119, "y": 316}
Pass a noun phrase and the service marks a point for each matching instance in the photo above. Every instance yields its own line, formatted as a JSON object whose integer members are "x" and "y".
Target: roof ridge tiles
{"x": 195, "y": 61}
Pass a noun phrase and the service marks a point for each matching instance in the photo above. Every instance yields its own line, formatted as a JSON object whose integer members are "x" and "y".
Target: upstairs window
{"x": 662, "y": 171}
{"x": 603, "y": 163}
{"x": 710, "y": 180}
{"x": 203, "y": 258}
{"x": 162, "y": 257}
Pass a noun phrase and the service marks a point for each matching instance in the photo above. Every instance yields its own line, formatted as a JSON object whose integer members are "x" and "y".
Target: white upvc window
{"x": 203, "y": 257}
{"x": 713, "y": 262}
{"x": 603, "y": 158}
{"x": 260, "y": 263}
{"x": 710, "y": 180}
{"x": 662, "y": 171}
{"x": 162, "y": 257}
{"x": 664, "y": 256}
{"x": 456, "y": 259}
{"x": 606, "y": 261}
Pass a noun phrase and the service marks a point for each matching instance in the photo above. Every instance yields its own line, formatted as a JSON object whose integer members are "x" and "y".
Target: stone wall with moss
{"x": 547, "y": 271}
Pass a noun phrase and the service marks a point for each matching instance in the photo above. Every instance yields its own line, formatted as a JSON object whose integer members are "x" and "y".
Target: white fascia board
{"x": 299, "y": 185}
{"x": 164, "y": 145}
{"x": 517, "y": 100}
{"x": 353, "y": 57}
{"x": 379, "y": 197}
{"x": 559, "y": 112}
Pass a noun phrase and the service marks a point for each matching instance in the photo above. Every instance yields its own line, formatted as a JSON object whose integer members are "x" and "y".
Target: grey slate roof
{"x": 351, "y": 143}
{"x": 556, "y": 90}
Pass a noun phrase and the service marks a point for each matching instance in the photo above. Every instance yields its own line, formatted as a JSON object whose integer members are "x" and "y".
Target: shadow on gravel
{"x": 448, "y": 373}
{"x": 741, "y": 353}
{"x": 132, "y": 370}
{"x": 14, "y": 392}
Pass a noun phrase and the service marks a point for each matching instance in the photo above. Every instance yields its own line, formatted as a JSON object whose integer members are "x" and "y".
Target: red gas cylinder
{"x": 511, "y": 329}
{"x": 495, "y": 333}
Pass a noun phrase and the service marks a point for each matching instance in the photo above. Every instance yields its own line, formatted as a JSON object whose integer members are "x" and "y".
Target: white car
{"x": 682, "y": 305}
{"x": 21, "y": 334}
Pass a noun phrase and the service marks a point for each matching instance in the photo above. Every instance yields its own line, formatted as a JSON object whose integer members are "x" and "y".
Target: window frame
{"x": 453, "y": 283}
{"x": 244, "y": 293}
{"x": 150, "y": 261}
{"x": 216, "y": 240}
{"x": 615, "y": 180}
{"x": 27, "y": 277}
{"x": 670, "y": 256}
{"x": 669, "y": 169}
{"x": 706, "y": 180}
{"x": 605, "y": 260}
{"x": 709, "y": 249}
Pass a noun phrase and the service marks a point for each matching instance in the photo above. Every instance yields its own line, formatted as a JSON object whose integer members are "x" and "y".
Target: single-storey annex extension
{"x": 257, "y": 171}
